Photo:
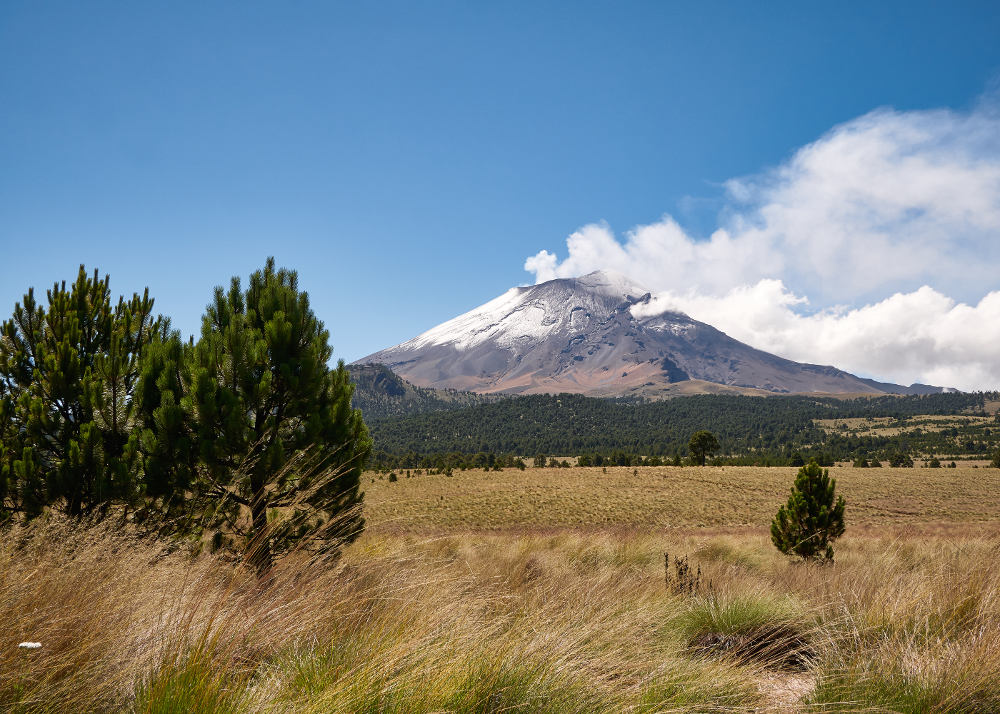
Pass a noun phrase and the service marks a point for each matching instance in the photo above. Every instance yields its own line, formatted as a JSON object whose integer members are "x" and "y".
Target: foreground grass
{"x": 533, "y": 619}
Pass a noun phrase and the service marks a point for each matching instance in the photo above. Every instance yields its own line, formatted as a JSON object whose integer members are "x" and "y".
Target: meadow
{"x": 665, "y": 498}
{"x": 531, "y": 591}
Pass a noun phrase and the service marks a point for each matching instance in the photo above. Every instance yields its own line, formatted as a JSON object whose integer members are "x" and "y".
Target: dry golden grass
{"x": 887, "y": 426}
{"x": 432, "y": 611}
{"x": 668, "y": 497}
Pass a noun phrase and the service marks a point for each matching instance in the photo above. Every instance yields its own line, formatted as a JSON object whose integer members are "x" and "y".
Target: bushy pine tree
{"x": 812, "y": 518}
{"x": 702, "y": 444}
{"x": 169, "y": 453}
{"x": 68, "y": 373}
{"x": 282, "y": 448}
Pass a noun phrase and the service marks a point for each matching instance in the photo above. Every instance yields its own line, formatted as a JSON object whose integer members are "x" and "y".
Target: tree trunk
{"x": 260, "y": 541}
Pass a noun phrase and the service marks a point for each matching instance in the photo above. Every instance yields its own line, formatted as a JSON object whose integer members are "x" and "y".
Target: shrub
{"x": 900, "y": 460}
{"x": 682, "y": 580}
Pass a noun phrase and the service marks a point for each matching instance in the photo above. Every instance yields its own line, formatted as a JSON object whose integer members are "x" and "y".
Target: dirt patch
{"x": 785, "y": 692}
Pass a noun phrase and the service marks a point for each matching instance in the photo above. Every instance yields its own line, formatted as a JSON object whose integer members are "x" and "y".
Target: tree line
{"x": 244, "y": 439}
{"x": 779, "y": 430}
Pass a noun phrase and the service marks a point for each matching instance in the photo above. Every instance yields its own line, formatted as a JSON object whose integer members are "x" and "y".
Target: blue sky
{"x": 406, "y": 158}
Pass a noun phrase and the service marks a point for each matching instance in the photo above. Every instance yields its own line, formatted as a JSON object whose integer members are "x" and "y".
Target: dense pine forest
{"x": 751, "y": 430}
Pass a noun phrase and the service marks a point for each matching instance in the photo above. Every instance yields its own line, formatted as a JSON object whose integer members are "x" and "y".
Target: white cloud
{"x": 890, "y": 203}
{"x": 921, "y": 336}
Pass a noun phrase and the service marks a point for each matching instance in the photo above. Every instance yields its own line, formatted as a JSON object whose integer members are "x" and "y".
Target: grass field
{"x": 887, "y": 426}
{"x": 668, "y": 497}
{"x": 538, "y": 591}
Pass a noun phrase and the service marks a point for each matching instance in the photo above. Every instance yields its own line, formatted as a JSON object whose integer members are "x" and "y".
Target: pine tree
{"x": 283, "y": 449}
{"x": 169, "y": 451}
{"x": 807, "y": 524}
{"x": 68, "y": 372}
{"x": 10, "y": 449}
{"x": 702, "y": 444}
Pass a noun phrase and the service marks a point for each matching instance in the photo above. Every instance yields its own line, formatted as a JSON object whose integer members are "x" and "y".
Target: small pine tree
{"x": 901, "y": 460}
{"x": 702, "y": 444}
{"x": 807, "y": 524}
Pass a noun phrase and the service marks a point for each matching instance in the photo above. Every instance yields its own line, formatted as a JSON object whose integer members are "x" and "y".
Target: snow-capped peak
{"x": 601, "y": 334}
{"x": 528, "y": 314}
{"x": 612, "y": 283}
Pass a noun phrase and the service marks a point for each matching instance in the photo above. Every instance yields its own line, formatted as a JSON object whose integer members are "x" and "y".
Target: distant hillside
{"x": 380, "y": 393}
{"x": 569, "y": 424}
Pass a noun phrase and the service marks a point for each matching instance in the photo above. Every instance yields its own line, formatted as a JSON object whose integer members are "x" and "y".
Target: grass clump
{"x": 507, "y": 684}
{"x": 748, "y": 628}
{"x": 683, "y": 685}
{"x": 478, "y": 683}
{"x": 305, "y": 673}
{"x": 912, "y": 680}
{"x": 192, "y": 683}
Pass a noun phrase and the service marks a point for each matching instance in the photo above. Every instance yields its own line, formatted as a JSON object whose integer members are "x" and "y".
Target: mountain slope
{"x": 594, "y": 335}
{"x": 379, "y": 393}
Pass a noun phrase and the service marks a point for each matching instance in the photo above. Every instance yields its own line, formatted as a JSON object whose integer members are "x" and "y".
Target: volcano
{"x": 599, "y": 335}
